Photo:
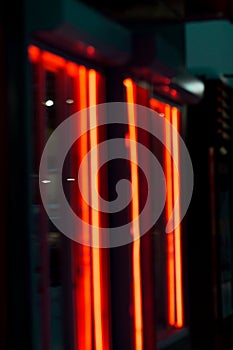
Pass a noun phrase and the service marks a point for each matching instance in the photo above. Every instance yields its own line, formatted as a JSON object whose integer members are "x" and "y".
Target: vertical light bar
{"x": 84, "y": 297}
{"x": 174, "y": 264}
{"x": 137, "y": 293}
{"x": 177, "y": 231}
{"x": 95, "y": 219}
{"x": 104, "y": 253}
{"x": 169, "y": 208}
{"x": 84, "y": 141}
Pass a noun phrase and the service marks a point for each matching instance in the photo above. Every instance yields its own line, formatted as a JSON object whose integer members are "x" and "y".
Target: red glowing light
{"x": 174, "y": 261}
{"x": 169, "y": 206}
{"x": 90, "y": 50}
{"x": 137, "y": 292}
{"x": 72, "y": 69}
{"x": 127, "y": 143}
{"x": 91, "y": 292}
{"x": 167, "y": 81}
{"x": 33, "y": 53}
{"x": 83, "y": 281}
{"x": 177, "y": 231}
{"x": 52, "y": 62}
{"x": 166, "y": 89}
{"x": 174, "y": 93}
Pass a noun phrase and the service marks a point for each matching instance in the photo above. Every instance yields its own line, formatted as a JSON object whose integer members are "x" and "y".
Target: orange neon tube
{"x": 95, "y": 219}
{"x": 177, "y": 231}
{"x": 137, "y": 292}
{"x": 156, "y": 105}
{"x": 170, "y": 236}
{"x": 84, "y": 297}
{"x": 52, "y": 62}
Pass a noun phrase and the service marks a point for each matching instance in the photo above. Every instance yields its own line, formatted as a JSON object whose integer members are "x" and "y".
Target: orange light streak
{"x": 52, "y": 62}
{"x": 177, "y": 231}
{"x": 95, "y": 220}
{"x": 91, "y": 263}
{"x": 155, "y": 104}
{"x": 84, "y": 140}
{"x": 137, "y": 292}
{"x": 169, "y": 207}
{"x": 83, "y": 294}
{"x": 174, "y": 264}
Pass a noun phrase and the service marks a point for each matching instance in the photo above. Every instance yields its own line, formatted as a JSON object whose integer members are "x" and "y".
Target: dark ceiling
{"x": 129, "y": 11}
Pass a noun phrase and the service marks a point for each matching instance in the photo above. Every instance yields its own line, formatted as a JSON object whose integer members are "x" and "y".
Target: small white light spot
{"x": 46, "y": 181}
{"x": 70, "y": 179}
{"x": 161, "y": 114}
{"x": 69, "y": 101}
{"x": 223, "y": 151}
{"x": 49, "y": 103}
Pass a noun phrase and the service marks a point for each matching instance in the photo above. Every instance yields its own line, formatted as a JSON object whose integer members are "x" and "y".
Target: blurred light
{"x": 70, "y": 179}
{"x": 127, "y": 141}
{"x": 69, "y": 101}
{"x": 167, "y": 81}
{"x": 90, "y": 50}
{"x": 83, "y": 297}
{"x": 95, "y": 216}
{"x": 155, "y": 104}
{"x": 169, "y": 206}
{"x": 137, "y": 289}
{"x": 223, "y": 151}
{"x": 177, "y": 231}
{"x": 52, "y": 62}
{"x": 33, "y": 53}
{"x": 72, "y": 69}
{"x": 46, "y": 181}
{"x": 173, "y": 92}
{"x": 49, "y": 103}
{"x": 189, "y": 83}
{"x": 166, "y": 88}
{"x": 174, "y": 260}
{"x": 195, "y": 87}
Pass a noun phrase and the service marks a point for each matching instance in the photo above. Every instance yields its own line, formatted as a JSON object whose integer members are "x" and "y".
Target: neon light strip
{"x": 177, "y": 231}
{"x": 170, "y": 236}
{"x": 138, "y": 322}
{"x": 96, "y": 256}
{"x": 52, "y": 62}
{"x": 156, "y": 105}
{"x": 104, "y": 253}
{"x": 174, "y": 267}
{"x": 83, "y": 292}
{"x": 84, "y": 304}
